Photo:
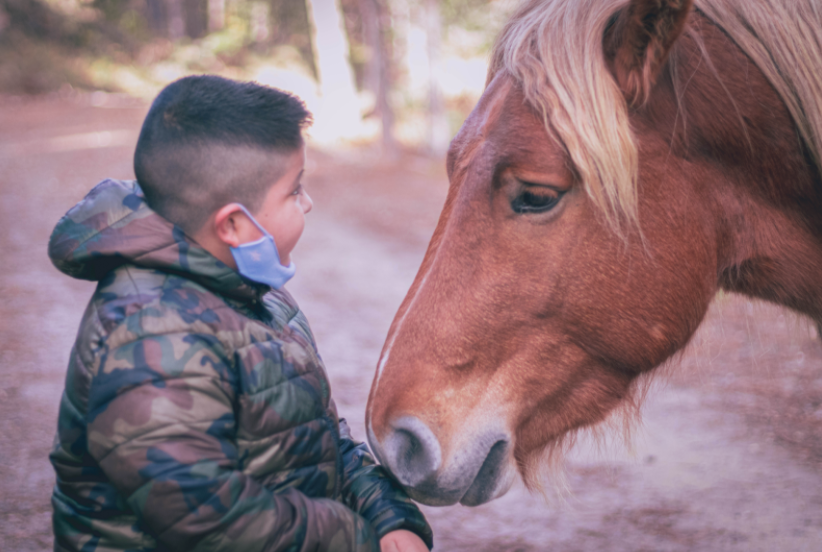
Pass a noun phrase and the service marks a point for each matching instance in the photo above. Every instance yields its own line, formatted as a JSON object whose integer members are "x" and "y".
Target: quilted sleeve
{"x": 373, "y": 494}
{"x": 161, "y": 423}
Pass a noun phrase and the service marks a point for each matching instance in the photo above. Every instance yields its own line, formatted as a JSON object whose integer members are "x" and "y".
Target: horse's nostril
{"x": 412, "y": 452}
{"x": 409, "y": 448}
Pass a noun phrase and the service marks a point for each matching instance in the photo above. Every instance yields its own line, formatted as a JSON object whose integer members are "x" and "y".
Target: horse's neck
{"x": 766, "y": 191}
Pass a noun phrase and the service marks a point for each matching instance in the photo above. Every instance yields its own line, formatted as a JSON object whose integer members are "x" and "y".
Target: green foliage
{"x": 470, "y": 26}
{"x": 112, "y": 10}
{"x": 42, "y": 49}
{"x": 124, "y": 44}
{"x": 134, "y": 24}
{"x": 29, "y": 66}
{"x": 469, "y": 14}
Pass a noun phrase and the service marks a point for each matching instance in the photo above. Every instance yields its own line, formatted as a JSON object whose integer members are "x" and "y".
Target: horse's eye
{"x": 531, "y": 202}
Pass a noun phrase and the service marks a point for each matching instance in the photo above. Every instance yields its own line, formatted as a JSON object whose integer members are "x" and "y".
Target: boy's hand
{"x": 402, "y": 541}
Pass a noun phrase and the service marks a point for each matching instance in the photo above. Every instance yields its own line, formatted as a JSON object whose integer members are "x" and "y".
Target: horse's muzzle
{"x": 473, "y": 475}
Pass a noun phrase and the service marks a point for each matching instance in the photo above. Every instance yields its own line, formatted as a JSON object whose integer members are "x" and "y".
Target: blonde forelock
{"x": 553, "y": 49}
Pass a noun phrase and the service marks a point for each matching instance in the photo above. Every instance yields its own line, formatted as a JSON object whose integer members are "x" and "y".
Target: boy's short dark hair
{"x": 188, "y": 158}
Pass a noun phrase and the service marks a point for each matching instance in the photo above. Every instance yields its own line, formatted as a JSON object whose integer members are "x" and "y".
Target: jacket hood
{"x": 113, "y": 225}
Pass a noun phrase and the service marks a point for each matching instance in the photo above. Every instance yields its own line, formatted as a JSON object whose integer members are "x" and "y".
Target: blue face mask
{"x": 259, "y": 260}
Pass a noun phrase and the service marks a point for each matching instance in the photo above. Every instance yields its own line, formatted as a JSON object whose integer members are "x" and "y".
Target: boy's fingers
{"x": 402, "y": 541}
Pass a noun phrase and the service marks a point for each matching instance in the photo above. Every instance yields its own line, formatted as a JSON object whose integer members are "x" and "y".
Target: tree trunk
{"x": 339, "y": 112}
{"x": 216, "y": 15}
{"x": 438, "y": 133}
{"x": 157, "y": 17}
{"x": 196, "y": 17}
{"x": 376, "y": 21}
{"x": 260, "y": 24}
{"x": 176, "y": 21}
{"x": 290, "y": 23}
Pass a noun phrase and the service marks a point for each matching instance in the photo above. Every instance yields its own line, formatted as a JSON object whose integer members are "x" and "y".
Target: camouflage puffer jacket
{"x": 197, "y": 413}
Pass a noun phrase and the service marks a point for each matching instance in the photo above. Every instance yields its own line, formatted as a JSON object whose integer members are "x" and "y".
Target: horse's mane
{"x": 554, "y": 49}
{"x": 784, "y": 39}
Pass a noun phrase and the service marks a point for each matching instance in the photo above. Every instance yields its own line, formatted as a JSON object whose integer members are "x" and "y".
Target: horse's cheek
{"x": 634, "y": 304}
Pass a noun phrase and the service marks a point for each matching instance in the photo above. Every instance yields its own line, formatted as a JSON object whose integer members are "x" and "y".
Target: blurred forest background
{"x": 400, "y": 73}
{"x": 729, "y": 454}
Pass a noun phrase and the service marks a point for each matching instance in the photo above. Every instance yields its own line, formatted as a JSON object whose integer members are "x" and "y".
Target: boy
{"x": 197, "y": 413}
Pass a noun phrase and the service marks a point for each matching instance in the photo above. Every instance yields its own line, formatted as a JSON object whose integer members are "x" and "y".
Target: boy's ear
{"x": 226, "y": 224}
{"x": 638, "y": 43}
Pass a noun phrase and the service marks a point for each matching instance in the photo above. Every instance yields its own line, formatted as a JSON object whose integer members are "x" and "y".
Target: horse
{"x": 626, "y": 161}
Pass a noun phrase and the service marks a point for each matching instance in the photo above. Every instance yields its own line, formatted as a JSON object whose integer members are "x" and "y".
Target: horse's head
{"x": 541, "y": 299}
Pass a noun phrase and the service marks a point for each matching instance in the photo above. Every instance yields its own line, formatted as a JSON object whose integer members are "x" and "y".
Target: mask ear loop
{"x": 253, "y": 220}
{"x": 261, "y": 229}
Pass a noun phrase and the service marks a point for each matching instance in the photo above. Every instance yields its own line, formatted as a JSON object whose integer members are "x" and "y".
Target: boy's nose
{"x": 306, "y": 202}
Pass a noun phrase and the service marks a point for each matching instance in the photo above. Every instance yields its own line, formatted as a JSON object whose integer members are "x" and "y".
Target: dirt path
{"x": 729, "y": 456}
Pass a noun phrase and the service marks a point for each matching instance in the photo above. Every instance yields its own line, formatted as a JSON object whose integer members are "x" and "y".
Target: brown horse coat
{"x": 588, "y": 227}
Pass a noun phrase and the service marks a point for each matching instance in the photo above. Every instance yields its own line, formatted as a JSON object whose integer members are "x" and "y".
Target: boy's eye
{"x": 298, "y": 190}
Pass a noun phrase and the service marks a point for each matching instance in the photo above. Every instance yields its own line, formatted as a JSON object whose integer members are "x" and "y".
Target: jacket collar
{"x": 113, "y": 225}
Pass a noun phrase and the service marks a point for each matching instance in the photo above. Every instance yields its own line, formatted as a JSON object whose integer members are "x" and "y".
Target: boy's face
{"x": 283, "y": 210}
